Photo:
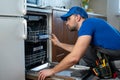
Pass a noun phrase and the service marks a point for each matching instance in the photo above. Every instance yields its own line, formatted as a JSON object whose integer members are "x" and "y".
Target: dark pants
{"x": 91, "y": 55}
{"x": 113, "y": 54}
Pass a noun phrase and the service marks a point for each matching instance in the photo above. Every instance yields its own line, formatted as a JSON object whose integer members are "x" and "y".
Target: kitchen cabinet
{"x": 63, "y": 34}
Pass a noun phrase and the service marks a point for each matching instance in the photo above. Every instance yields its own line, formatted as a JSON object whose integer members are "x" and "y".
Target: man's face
{"x": 71, "y": 23}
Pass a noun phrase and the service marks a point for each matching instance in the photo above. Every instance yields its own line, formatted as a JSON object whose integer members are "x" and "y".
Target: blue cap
{"x": 75, "y": 10}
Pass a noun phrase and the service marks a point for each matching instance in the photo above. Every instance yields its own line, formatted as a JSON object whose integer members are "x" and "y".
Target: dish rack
{"x": 35, "y": 58}
{"x": 37, "y": 36}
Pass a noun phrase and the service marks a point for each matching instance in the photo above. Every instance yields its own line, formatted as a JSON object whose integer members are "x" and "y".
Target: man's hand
{"x": 45, "y": 73}
{"x": 55, "y": 40}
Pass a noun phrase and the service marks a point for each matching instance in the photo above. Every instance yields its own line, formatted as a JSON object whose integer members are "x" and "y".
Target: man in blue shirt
{"x": 91, "y": 31}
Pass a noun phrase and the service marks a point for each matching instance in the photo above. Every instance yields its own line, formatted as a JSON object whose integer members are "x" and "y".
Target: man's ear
{"x": 78, "y": 17}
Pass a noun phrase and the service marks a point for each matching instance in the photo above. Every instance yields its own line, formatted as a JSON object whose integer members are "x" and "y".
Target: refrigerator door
{"x": 12, "y": 64}
{"x": 12, "y": 7}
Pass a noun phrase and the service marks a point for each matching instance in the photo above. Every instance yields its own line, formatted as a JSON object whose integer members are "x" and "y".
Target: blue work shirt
{"x": 103, "y": 34}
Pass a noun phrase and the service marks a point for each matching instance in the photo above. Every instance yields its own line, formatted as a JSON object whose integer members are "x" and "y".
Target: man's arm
{"x": 71, "y": 59}
{"x": 64, "y": 46}
{"x": 76, "y": 54}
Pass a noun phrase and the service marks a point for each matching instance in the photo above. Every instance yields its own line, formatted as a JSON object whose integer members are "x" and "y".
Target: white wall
{"x": 57, "y": 3}
{"x": 98, "y": 6}
{"x": 112, "y": 10}
{"x": 109, "y": 8}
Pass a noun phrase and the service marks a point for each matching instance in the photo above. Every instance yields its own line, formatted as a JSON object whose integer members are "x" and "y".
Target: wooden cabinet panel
{"x": 63, "y": 34}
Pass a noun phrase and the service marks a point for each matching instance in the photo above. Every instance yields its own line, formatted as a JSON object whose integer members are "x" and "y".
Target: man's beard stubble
{"x": 73, "y": 28}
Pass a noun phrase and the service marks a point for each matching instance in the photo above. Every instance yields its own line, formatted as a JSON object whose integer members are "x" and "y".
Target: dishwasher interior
{"x": 37, "y": 42}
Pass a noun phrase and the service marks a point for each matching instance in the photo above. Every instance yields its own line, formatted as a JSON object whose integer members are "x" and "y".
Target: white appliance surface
{"x": 12, "y": 64}
{"x": 13, "y": 7}
{"x": 40, "y": 67}
{"x": 13, "y": 31}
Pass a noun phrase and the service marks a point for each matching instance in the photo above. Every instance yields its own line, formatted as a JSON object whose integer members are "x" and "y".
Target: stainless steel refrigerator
{"x": 13, "y": 32}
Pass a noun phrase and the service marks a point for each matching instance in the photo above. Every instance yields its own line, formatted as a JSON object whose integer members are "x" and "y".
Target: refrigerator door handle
{"x": 25, "y": 29}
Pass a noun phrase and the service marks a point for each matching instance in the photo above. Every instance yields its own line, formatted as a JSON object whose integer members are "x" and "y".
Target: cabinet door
{"x": 63, "y": 34}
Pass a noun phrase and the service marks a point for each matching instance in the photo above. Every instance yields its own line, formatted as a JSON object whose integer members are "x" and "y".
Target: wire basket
{"x": 36, "y": 36}
{"x": 35, "y": 58}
